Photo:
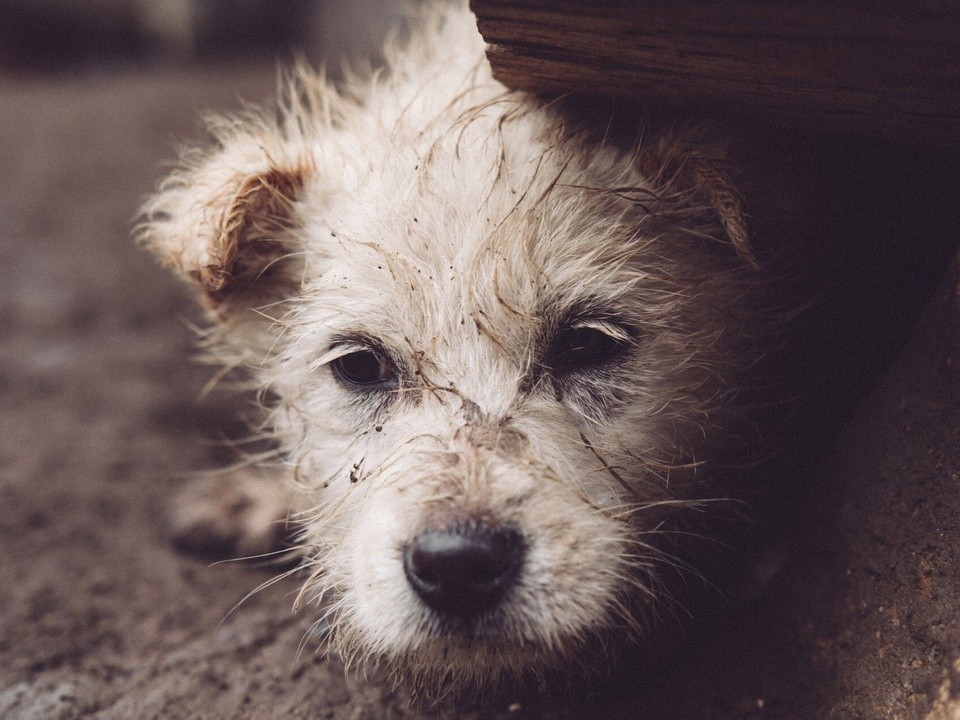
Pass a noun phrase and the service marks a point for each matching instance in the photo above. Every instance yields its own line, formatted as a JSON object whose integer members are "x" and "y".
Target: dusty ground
{"x": 100, "y": 425}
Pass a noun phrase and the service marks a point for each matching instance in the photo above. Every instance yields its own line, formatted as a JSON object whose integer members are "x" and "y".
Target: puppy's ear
{"x": 226, "y": 220}
{"x": 689, "y": 169}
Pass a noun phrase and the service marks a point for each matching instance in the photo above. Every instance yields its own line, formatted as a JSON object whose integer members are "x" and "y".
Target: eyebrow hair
{"x": 584, "y": 311}
{"x": 559, "y": 315}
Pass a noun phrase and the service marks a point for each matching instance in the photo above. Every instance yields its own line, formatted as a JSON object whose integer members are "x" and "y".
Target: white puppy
{"x": 509, "y": 358}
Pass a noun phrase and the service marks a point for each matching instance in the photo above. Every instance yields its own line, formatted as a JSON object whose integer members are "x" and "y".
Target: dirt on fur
{"x": 102, "y": 421}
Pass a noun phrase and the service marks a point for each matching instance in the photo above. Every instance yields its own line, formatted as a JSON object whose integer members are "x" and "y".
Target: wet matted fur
{"x": 478, "y": 319}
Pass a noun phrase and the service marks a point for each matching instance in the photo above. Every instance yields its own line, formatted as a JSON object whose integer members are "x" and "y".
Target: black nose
{"x": 463, "y": 571}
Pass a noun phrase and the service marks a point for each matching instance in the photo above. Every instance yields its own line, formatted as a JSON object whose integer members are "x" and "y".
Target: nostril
{"x": 464, "y": 570}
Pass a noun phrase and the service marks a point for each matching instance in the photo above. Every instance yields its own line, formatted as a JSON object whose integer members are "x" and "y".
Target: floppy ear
{"x": 226, "y": 220}
{"x": 695, "y": 171}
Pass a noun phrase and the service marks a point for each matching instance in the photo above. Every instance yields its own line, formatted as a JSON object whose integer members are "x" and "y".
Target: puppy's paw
{"x": 238, "y": 514}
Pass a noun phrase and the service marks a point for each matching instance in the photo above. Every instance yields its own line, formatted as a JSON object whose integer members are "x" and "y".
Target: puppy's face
{"x": 474, "y": 380}
{"x": 500, "y": 357}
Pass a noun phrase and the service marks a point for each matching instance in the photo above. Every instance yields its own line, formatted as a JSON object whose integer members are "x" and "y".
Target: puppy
{"x": 513, "y": 363}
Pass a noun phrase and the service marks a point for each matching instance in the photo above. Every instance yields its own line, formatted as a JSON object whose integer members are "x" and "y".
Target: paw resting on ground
{"x": 238, "y": 514}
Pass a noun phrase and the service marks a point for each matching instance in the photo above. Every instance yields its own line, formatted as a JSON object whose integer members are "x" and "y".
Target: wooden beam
{"x": 876, "y": 68}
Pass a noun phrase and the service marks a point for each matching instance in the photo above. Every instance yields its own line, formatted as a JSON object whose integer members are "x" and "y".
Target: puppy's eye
{"x": 581, "y": 348}
{"x": 364, "y": 368}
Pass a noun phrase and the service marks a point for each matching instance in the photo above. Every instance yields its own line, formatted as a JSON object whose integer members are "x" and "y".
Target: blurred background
{"x": 88, "y": 35}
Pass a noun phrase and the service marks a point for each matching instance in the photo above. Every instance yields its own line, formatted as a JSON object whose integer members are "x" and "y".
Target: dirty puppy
{"x": 510, "y": 358}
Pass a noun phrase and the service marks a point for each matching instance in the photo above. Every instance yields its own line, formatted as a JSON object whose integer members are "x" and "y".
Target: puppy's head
{"x": 505, "y": 360}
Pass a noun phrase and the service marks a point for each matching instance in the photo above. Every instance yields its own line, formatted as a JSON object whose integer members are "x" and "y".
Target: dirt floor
{"x": 100, "y": 424}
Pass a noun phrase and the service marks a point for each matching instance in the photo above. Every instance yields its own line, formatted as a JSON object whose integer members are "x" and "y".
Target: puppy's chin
{"x": 468, "y": 664}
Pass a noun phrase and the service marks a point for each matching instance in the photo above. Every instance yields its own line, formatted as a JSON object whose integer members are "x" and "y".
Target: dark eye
{"x": 581, "y": 348}
{"x": 365, "y": 368}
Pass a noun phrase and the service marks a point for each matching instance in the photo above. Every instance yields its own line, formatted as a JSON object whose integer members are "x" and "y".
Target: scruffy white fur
{"x": 460, "y": 229}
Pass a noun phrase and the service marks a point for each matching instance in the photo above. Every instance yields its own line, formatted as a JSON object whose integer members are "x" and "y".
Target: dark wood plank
{"x": 883, "y": 69}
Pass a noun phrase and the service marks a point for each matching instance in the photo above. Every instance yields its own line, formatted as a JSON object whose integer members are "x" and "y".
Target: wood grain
{"x": 869, "y": 68}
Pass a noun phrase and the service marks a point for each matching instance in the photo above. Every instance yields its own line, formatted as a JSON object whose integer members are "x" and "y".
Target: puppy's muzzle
{"x": 466, "y": 570}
